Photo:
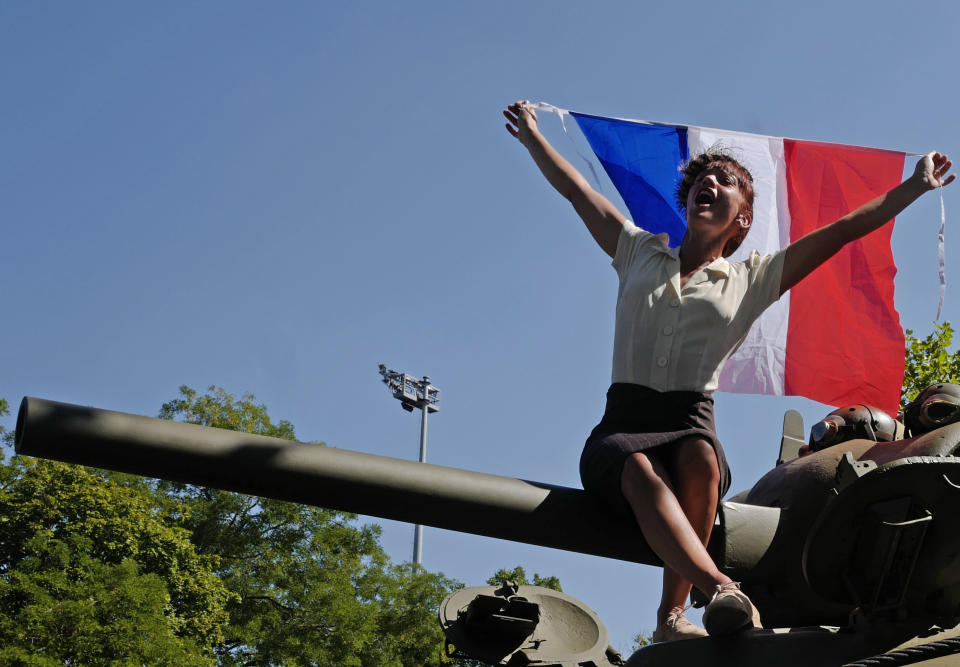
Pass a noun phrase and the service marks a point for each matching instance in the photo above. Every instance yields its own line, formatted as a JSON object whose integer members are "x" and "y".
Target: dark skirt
{"x": 638, "y": 419}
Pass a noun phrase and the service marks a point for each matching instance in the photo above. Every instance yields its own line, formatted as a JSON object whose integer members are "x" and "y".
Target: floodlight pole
{"x": 418, "y": 528}
{"x": 414, "y": 394}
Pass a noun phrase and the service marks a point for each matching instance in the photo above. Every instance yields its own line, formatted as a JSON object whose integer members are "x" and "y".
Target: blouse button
{"x": 661, "y": 362}
{"x": 674, "y": 303}
{"x": 667, "y": 330}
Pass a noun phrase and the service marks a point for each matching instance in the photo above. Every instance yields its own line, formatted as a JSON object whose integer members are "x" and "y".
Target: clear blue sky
{"x": 275, "y": 197}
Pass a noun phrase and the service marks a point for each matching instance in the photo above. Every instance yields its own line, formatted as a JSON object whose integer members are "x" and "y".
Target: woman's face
{"x": 715, "y": 200}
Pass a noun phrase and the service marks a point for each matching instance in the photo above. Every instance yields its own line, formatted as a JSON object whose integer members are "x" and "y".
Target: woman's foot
{"x": 730, "y": 611}
{"x": 676, "y": 626}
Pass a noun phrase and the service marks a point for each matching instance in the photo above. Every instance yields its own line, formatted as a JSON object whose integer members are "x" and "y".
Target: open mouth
{"x": 705, "y": 197}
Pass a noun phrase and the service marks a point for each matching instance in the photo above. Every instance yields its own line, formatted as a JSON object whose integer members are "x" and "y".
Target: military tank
{"x": 849, "y": 547}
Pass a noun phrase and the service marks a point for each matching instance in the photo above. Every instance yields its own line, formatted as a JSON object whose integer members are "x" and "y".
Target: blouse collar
{"x": 720, "y": 266}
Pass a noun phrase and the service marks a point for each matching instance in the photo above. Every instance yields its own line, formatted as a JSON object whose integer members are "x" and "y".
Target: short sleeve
{"x": 630, "y": 239}
{"x": 765, "y": 273}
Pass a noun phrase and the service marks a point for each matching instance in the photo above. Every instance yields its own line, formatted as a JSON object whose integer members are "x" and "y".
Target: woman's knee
{"x": 639, "y": 470}
{"x": 642, "y": 480}
{"x": 695, "y": 457}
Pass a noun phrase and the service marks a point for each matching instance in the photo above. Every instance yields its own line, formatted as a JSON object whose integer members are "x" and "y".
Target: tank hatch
{"x": 524, "y": 625}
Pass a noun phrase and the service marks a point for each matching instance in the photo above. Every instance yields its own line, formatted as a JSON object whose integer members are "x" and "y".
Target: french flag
{"x": 836, "y": 336}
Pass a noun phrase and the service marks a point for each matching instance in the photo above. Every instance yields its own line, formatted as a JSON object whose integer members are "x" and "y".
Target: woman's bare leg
{"x": 650, "y": 492}
{"x": 696, "y": 485}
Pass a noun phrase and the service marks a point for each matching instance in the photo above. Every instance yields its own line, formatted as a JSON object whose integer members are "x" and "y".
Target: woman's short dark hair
{"x": 717, "y": 155}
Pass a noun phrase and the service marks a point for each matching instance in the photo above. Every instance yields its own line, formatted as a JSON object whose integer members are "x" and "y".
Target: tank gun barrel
{"x": 379, "y": 486}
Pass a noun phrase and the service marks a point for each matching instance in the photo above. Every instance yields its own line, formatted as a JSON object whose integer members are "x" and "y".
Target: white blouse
{"x": 670, "y": 339}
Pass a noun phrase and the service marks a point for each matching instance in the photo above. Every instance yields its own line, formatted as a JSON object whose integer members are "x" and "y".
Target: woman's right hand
{"x": 523, "y": 120}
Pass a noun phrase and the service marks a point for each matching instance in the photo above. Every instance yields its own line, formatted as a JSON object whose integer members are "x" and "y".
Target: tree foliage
{"x": 220, "y": 409}
{"x": 639, "y": 641}
{"x": 518, "y": 575}
{"x": 929, "y": 361}
{"x": 5, "y": 435}
{"x": 93, "y": 571}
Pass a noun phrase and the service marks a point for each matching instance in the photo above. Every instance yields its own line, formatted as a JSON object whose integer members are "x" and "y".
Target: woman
{"x": 680, "y": 314}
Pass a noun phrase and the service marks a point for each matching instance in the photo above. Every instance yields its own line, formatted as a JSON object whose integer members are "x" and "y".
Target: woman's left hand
{"x": 931, "y": 171}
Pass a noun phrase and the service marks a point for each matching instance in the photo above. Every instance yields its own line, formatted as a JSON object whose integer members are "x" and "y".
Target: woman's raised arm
{"x": 603, "y": 220}
{"x": 807, "y": 253}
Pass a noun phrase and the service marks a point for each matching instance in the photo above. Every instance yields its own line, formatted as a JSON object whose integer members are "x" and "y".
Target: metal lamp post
{"x": 412, "y": 394}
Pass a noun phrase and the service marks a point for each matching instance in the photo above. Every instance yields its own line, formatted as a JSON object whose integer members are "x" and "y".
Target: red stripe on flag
{"x": 844, "y": 340}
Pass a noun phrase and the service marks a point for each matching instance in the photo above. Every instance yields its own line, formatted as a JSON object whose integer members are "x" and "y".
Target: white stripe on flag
{"x": 758, "y": 366}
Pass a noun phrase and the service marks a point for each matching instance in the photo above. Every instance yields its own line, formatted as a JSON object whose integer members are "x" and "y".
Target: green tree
{"x": 407, "y": 629}
{"x": 6, "y": 436}
{"x": 312, "y": 585}
{"x": 519, "y": 576}
{"x": 93, "y": 572}
{"x": 639, "y": 641}
{"x": 929, "y": 361}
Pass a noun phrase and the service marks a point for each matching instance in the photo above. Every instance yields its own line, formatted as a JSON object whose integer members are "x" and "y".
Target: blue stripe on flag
{"x": 642, "y": 161}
